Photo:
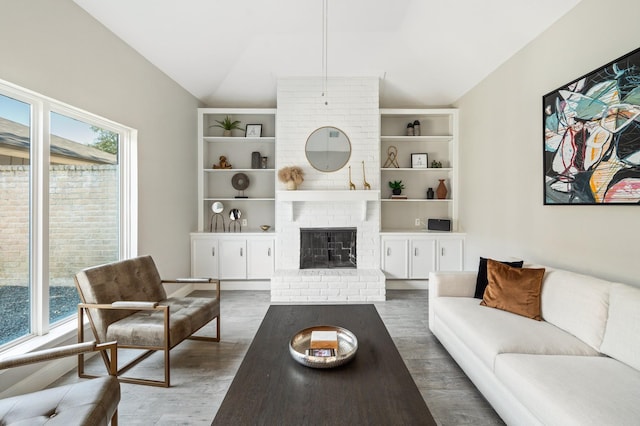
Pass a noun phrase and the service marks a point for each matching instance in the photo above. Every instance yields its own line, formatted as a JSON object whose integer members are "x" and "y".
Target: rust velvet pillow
{"x": 515, "y": 290}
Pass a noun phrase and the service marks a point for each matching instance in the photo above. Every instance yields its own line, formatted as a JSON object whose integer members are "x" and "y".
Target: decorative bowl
{"x": 347, "y": 347}
{"x": 265, "y": 228}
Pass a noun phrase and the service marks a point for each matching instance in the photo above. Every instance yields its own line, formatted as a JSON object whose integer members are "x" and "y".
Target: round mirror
{"x": 235, "y": 214}
{"x": 217, "y": 207}
{"x": 328, "y": 149}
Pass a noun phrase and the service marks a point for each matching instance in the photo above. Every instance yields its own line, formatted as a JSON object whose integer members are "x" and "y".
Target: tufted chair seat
{"x": 126, "y": 301}
{"x": 89, "y": 402}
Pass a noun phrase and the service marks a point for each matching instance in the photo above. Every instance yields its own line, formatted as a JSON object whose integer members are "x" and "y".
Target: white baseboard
{"x": 245, "y": 285}
{"x": 407, "y": 284}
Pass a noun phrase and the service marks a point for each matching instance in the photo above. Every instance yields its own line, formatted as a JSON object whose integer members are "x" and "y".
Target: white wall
{"x": 501, "y": 153}
{"x": 58, "y": 50}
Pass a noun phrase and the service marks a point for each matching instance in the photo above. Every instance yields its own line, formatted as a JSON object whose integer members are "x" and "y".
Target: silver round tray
{"x": 347, "y": 347}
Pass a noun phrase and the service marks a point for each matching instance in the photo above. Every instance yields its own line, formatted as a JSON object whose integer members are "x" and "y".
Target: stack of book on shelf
{"x": 323, "y": 343}
{"x": 398, "y": 197}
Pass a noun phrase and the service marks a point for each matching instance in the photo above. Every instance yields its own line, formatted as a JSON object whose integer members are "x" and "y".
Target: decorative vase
{"x": 441, "y": 190}
{"x": 226, "y": 133}
{"x": 430, "y": 194}
{"x": 291, "y": 185}
{"x": 396, "y": 191}
{"x": 255, "y": 160}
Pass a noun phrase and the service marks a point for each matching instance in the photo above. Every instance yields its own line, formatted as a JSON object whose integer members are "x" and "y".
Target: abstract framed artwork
{"x": 591, "y": 137}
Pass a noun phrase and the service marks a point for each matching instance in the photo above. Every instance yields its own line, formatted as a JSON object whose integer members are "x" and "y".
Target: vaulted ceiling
{"x": 231, "y": 53}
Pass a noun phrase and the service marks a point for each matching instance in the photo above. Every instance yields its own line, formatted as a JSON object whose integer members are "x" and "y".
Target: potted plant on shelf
{"x": 396, "y": 187}
{"x": 227, "y": 125}
{"x": 292, "y": 176}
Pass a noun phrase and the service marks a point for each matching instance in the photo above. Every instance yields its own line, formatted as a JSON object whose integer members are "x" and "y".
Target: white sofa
{"x": 579, "y": 366}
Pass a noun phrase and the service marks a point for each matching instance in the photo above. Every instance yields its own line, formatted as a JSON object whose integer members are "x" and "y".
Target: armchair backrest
{"x": 134, "y": 279}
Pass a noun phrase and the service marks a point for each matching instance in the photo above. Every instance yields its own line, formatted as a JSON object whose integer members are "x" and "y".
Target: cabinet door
{"x": 260, "y": 259}
{"x": 204, "y": 258}
{"x": 423, "y": 257}
{"x": 233, "y": 259}
{"x": 450, "y": 254}
{"x": 395, "y": 262}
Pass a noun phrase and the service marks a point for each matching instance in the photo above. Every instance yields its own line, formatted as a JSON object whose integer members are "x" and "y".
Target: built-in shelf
{"x": 444, "y": 138}
{"x": 238, "y": 170}
{"x": 327, "y": 196}
{"x": 234, "y": 139}
{"x": 422, "y": 200}
{"x": 414, "y": 169}
{"x": 238, "y": 199}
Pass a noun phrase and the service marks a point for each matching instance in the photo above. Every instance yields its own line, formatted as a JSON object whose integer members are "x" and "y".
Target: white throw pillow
{"x": 622, "y": 335}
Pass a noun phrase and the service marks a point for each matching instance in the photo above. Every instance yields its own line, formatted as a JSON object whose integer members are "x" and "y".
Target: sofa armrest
{"x": 195, "y": 281}
{"x": 125, "y": 305}
{"x": 452, "y": 284}
{"x": 55, "y": 353}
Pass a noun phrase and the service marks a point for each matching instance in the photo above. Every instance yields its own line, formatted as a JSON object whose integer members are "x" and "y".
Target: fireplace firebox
{"x": 327, "y": 248}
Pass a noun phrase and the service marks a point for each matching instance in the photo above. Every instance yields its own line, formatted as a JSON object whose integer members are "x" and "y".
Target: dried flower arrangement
{"x": 291, "y": 174}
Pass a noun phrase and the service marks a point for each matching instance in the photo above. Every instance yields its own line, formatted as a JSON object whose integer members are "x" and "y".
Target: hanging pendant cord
{"x": 325, "y": 30}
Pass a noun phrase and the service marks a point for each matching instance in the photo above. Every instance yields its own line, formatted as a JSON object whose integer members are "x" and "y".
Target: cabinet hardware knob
{"x": 442, "y": 251}
{"x": 240, "y": 251}
{"x": 213, "y": 251}
{"x": 415, "y": 251}
{"x": 269, "y": 252}
{"x": 388, "y": 251}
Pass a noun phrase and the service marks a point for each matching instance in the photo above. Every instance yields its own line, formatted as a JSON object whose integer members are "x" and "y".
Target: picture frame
{"x": 253, "y": 130}
{"x": 590, "y": 138}
{"x": 419, "y": 160}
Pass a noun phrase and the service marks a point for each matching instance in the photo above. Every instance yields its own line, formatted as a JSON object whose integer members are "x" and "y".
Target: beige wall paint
{"x": 501, "y": 204}
{"x": 58, "y": 50}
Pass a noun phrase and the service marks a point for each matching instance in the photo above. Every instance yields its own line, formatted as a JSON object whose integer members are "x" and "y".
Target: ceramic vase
{"x": 441, "y": 190}
{"x": 291, "y": 185}
{"x": 226, "y": 133}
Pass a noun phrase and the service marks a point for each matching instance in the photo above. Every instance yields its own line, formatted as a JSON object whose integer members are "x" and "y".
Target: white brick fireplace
{"x": 352, "y": 106}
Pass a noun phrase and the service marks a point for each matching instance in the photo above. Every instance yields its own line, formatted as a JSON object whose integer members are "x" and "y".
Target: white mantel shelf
{"x": 327, "y": 196}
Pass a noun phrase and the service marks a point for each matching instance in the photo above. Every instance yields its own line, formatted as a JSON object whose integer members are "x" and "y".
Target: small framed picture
{"x": 254, "y": 130}
{"x": 419, "y": 161}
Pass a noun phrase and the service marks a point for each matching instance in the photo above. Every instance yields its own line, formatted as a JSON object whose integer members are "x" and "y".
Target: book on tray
{"x": 323, "y": 343}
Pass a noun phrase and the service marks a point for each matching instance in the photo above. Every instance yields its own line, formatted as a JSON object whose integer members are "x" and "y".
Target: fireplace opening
{"x": 327, "y": 248}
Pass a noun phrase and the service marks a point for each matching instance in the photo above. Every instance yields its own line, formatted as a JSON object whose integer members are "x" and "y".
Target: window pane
{"x": 15, "y": 283}
{"x": 83, "y": 206}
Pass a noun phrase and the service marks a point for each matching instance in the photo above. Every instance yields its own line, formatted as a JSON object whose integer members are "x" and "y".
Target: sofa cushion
{"x": 570, "y": 390}
{"x": 514, "y": 290}
{"x": 186, "y": 315}
{"x": 90, "y": 402}
{"x": 576, "y": 303}
{"x": 489, "y": 332}
{"x": 622, "y": 334}
{"x": 481, "y": 279}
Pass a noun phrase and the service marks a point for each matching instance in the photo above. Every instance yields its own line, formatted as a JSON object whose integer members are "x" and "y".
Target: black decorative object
{"x": 430, "y": 194}
{"x": 255, "y": 160}
{"x": 240, "y": 182}
{"x": 439, "y": 225}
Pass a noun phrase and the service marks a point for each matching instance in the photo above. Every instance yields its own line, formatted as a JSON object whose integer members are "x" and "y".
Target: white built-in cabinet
{"x": 413, "y": 256}
{"x": 242, "y": 251}
{"x": 233, "y": 256}
{"x": 408, "y": 250}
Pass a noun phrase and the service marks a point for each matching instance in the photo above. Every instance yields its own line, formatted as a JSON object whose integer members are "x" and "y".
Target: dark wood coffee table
{"x": 375, "y": 387}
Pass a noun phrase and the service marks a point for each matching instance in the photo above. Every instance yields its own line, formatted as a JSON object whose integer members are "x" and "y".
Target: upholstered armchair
{"x": 126, "y": 301}
{"x": 88, "y": 402}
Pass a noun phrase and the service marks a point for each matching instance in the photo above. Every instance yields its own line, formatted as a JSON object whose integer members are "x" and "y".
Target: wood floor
{"x": 201, "y": 372}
